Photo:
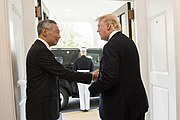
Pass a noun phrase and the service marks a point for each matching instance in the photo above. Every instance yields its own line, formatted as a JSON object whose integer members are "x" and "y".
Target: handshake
{"x": 95, "y": 74}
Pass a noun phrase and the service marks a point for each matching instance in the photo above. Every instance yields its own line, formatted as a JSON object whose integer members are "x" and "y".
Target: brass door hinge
{"x": 131, "y": 14}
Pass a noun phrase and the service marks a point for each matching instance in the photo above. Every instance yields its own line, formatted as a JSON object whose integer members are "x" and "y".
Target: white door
{"x": 18, "y": 56}
{"x": 161, "y": 60}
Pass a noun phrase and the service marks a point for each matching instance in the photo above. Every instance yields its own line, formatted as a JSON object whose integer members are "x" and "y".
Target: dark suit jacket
{"x": 83, "y": 63}
{"x": 122, "y": 91}
{"x": 42, "y": 93}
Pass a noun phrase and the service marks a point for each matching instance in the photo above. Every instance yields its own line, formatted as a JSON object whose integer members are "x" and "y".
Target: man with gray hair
{"x": 43, "y": 101}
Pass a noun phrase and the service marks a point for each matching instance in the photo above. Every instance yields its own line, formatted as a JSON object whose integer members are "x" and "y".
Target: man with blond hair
{"x": 123, "y": 96}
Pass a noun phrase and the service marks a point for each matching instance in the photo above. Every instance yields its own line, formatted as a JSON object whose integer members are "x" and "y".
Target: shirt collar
{"x": 47, "y": 45}
{"x": 114, "y": 32}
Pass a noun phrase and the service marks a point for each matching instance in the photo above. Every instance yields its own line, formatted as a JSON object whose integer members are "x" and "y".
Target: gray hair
{"x": 45, "y": 24}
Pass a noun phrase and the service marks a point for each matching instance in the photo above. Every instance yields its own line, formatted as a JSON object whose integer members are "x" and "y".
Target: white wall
{"x": 141, "y": 41}
{"x": 29, "y": 36}
{"x": 29, "y": 23}
{"x": 177, "y": 52}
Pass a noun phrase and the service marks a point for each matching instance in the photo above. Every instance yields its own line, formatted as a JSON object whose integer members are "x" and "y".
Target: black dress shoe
{"x": 84, "y": 110}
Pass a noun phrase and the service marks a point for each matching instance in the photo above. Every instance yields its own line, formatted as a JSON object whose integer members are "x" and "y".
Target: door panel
{"x": 161, "y": 60}
{"x": 161, "y": 112}
{"x": 159, "y": 46}
{"x": 18, "y": 56}
{"x": 18, "y": 64}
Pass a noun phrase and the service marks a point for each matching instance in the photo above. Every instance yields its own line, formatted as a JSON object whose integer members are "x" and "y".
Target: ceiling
{"x": 80, "y": 9}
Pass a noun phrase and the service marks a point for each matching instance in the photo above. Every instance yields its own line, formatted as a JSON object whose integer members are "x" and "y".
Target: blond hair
{"x": 112, "y": 19}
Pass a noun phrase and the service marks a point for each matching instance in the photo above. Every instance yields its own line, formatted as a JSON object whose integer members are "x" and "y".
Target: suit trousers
{"x": 84, "y": 96}
{"x": 124, "y": 114}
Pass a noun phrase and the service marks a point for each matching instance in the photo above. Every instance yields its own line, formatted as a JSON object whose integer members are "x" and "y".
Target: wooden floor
{"x": 92, "y": 114}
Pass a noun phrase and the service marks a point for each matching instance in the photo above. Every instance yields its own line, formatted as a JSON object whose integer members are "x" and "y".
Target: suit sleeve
{"x": 47, "y": 61}
{"x": 108, "y": 72}
{"x": 92, "y": 66}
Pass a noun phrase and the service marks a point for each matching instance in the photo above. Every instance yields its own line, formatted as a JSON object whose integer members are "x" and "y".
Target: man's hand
{"x": 95, "y": 74}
